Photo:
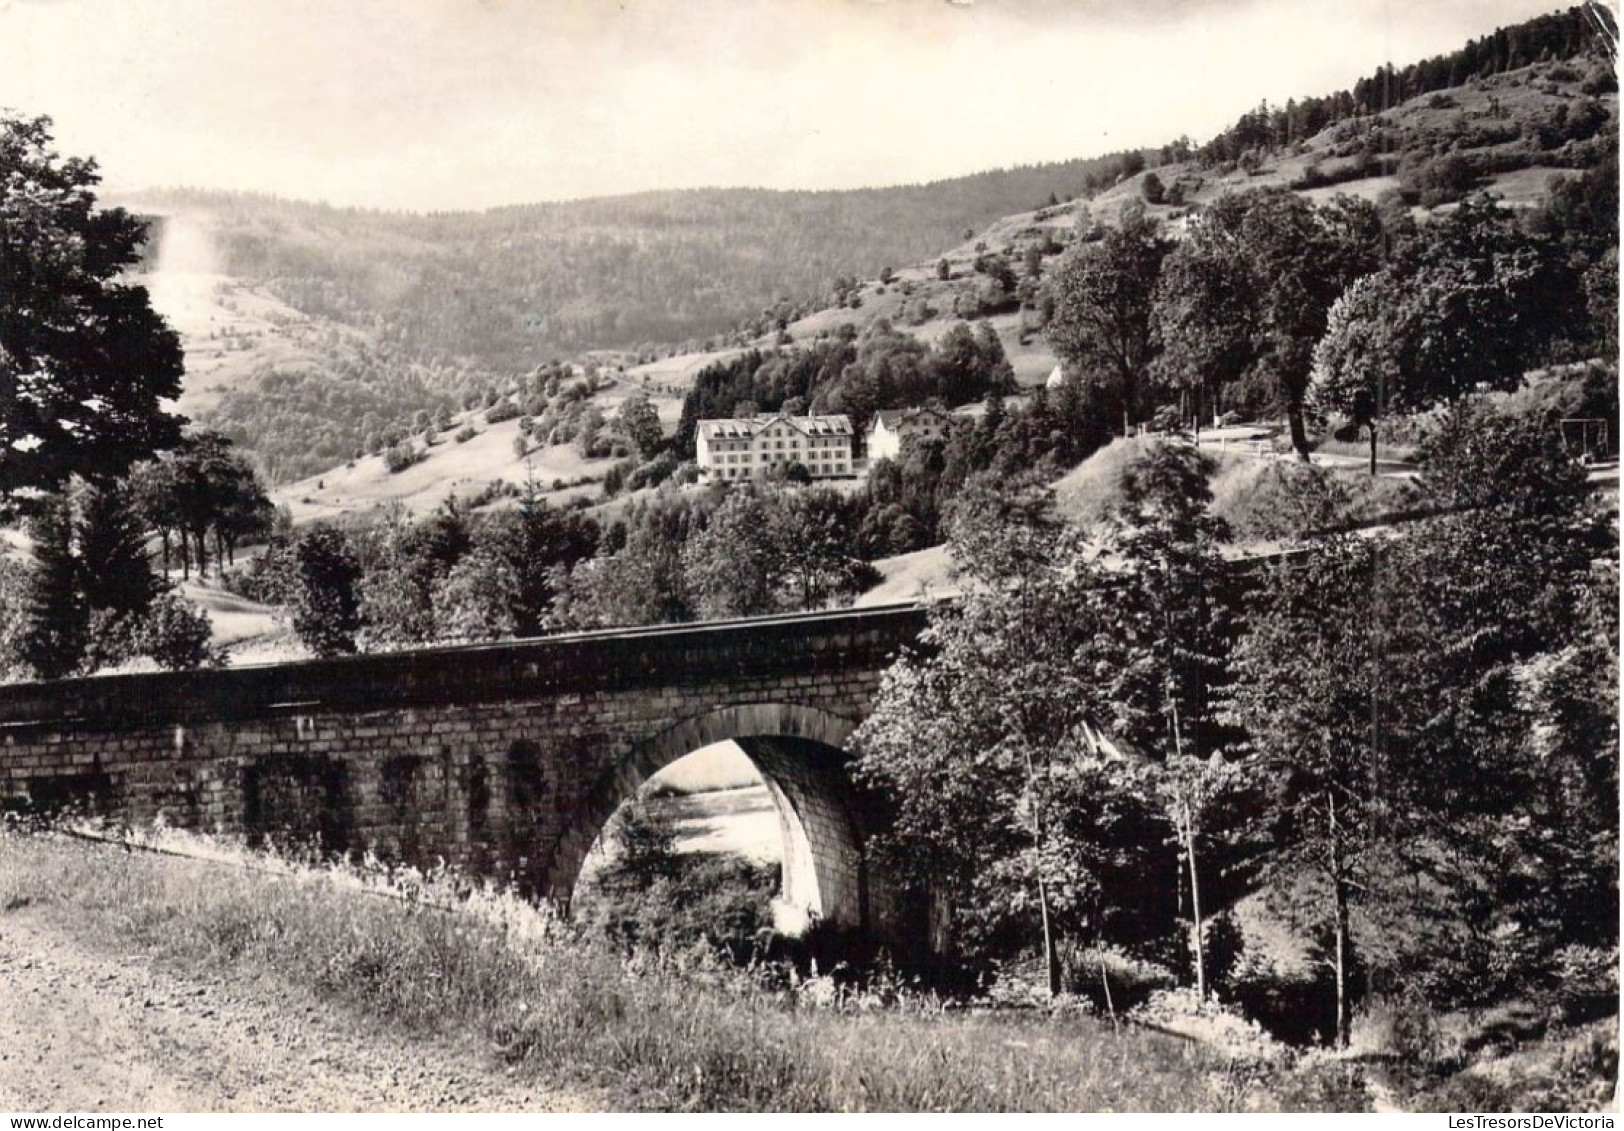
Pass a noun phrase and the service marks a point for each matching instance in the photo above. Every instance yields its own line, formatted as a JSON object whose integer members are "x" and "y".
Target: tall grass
{"x": 682, "y": 1034}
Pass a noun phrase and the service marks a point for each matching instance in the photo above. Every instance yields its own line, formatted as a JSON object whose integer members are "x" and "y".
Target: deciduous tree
{"x": 175, "y": 633}
{"x": 1248, "y": 294}
{"x": 640, "y": 423}
{"x": 1161, "y": 656}
{"x": 735, "y": 566}
{"x": 476, "y": 598}
{"x": 985, "y": 743}
{"x": 1103, "y": 301}
{"x": 1470, "y": 303}
{"x": 1398, "y": 693}
{"x": 1308, "y": 692}
{"x": 324, "y": 603}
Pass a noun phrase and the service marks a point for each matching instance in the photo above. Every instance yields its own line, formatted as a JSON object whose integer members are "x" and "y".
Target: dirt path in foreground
{"x": 82, "y": 1031}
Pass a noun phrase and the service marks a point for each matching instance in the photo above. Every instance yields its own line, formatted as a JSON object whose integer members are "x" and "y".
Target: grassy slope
{"x": 1523, "y": 97}
{"x": 449, "y": 468}
{"x": 707, "y": 1040}
{"x": 463, "y": 469}
{"x": 685, "y": 1034}
{"x": 907, "y": 577}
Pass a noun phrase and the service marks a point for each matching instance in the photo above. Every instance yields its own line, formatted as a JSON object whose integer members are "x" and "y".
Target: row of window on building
{"x": 736, "y": 447}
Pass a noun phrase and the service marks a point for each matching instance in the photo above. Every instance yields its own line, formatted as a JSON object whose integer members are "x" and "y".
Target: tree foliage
{"x": 1471, "y": 302}
{"x": 1057, "y": 733}
{"x": 203, "y": 492}
{"x": 640, "y": 423}
{"x": 112, "y": 548}
{"x": 984, "y": 743}
{"x": 734, "y": 566}
{"x": 1393, "y": 689}
{"x": 85, "y": 363}
{"x": 1246, "y": 297}
{"x": 324, "y": 603}
{"x": 538, "y": 544}
{"x": 176, "y": 634}
{"x": 1406, "y": 743}
{"x": 58, "y": 619}
{"x": 476, "y": 599}
{"x": 1103, "y": 295}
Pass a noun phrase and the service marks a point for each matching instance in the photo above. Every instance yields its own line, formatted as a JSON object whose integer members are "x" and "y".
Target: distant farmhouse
{"x": 891, "y": 428}
{"x": 740, "y": 447}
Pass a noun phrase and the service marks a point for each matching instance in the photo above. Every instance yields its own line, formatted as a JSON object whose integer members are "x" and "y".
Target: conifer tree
{"x": 85, "y": 362}
{"x": 117, "y": 574}
{"x": 54, "y": 644}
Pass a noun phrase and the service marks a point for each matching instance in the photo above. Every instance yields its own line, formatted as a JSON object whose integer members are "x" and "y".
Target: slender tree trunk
{"x": 1105, "y": 981}
{"x": 1373, "y": 449}
{"x": 1344, "y": 1017}
{"x": 1299, "y": 430}
{"x": 163, "y": 536}
{"x": 1185, "y": 820}
{"x": 1051, "y": 956}
{"x": 185, "y": 555}
{"x": 1188, "y": 836}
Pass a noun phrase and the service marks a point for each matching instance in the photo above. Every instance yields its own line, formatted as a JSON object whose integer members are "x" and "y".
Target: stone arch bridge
{"x": 503, "y": 760}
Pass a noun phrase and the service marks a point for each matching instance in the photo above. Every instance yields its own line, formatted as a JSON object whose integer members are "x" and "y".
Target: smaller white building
{"x": 739, "y": 447}
{"x": 891, "y": 428}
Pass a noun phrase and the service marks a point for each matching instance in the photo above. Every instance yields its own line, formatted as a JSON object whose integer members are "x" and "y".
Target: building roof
{"x": 744, "y": 427}
{"x": 891, "y": 417}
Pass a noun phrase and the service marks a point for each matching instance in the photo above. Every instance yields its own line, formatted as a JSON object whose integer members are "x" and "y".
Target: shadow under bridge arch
{"x": 823, "y": 818}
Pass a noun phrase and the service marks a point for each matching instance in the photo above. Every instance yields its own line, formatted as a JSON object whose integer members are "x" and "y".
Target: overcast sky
{"x": 441, "y": 104}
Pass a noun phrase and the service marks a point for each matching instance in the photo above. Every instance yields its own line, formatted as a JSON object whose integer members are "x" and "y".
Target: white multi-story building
{"x": 892, "y": 427}
{"x": 740, "y": 447}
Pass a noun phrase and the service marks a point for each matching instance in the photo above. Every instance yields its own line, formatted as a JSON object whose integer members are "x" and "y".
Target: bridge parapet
{"x": 591, "y": 662}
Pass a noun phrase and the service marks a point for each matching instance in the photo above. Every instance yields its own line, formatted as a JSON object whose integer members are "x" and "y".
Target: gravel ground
{"x": 83, "y": 1031}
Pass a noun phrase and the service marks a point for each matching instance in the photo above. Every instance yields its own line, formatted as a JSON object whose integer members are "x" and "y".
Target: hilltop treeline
{"x": 1560, "y": 35}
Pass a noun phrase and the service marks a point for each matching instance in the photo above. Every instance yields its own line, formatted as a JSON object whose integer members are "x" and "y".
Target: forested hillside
{"x": 511, "y": 287}
{"x": 407, "y": 313}
{"x": 399, "y": 315}
{"x": 1559, "y": 35}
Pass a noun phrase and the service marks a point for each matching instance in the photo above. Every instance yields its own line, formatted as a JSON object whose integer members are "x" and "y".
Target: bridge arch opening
{"x": 798, "y": 754}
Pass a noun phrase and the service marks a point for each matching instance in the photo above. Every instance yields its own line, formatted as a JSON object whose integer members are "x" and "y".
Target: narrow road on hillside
{"x": 82, "y": 1031}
